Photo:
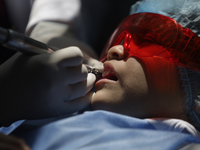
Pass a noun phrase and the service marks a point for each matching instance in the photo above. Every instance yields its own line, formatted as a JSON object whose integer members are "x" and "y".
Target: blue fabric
{"x": 11, "y": 128}
{"x": 101, "y": 130}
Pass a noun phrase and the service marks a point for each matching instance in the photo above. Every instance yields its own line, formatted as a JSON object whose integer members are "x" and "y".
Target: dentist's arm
{"x": 53, "y": 22}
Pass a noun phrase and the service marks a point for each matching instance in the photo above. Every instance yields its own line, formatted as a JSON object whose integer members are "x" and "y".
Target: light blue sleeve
{"x": 11, "y": 128}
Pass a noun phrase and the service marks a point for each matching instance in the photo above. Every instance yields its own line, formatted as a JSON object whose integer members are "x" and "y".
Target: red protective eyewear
{"x": 154, "y": 35}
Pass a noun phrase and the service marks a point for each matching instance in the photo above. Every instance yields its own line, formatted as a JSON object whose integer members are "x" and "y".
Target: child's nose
{"x": 117, "y": 52}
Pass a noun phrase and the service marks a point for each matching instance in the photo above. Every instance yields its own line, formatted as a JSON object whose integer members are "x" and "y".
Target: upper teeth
{"x": 107, "y": 72}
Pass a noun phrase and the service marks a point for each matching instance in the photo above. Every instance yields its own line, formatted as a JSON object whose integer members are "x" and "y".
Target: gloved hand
{"x": 59, "y": 35}
{"x": 92, "y": 62}
{"x": 12, "y": 143}
{"x": 46, "y": 85}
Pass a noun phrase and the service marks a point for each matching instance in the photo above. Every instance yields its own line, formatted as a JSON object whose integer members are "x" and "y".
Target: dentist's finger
{"x": 95, "y": 63}
{"x": 80, "y": 103}
{"x": 81, "y": 88}
{"x": 76, "y": 74}
{"x": 67, "y": 57}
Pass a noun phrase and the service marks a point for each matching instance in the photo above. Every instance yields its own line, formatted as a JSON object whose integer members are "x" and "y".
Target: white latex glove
{"x": 46, "y": 85}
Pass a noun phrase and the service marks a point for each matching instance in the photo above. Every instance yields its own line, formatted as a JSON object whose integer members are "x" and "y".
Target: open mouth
{"x": 109, "y": 74}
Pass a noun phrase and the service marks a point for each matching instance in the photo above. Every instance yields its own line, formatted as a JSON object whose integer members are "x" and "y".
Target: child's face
{"x": 139, "y": 87}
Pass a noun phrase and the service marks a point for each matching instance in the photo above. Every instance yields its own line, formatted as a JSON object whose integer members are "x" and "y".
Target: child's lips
{"x": 109, "y": 74}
